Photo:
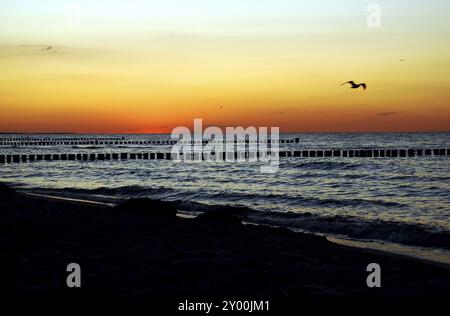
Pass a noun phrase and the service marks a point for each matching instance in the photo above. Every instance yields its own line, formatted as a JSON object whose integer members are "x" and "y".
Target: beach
{"x": 204, "y": 157}
{"x": 142, "y": 249}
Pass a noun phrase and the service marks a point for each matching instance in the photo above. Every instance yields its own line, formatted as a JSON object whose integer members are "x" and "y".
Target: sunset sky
{"x": 148, "y": 66}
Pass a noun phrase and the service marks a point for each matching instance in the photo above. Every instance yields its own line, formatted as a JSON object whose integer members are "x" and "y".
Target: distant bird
{"x": 221, "y": 107}
{"x": 47, "y": 48}
{"x": 355, "y": 85}
{"x": 402, "y": 59}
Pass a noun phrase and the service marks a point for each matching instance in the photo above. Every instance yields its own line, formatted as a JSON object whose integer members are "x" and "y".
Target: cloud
{"x": 388, "y": 113}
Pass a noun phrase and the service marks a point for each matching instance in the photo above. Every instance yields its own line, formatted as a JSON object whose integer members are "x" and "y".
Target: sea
{"x": 399, "y": 204}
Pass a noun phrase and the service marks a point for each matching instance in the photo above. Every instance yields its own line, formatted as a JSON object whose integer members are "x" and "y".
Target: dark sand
{"x": 143, "y": 249}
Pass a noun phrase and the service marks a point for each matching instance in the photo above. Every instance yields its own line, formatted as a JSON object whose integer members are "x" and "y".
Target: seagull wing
{"x": 350, "y": 82}
{"x": 363, "y": 85}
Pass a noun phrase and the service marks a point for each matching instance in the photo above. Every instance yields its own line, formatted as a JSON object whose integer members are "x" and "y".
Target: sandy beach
{"x": 142, "y": 249}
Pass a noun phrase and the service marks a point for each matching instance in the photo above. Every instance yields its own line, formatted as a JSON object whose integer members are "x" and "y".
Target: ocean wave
{"x": 271, "y": 198}
{"x": 326, "y": 165}
{"x": 349, "y": 226}
{"x": 302, "y": 200}
{"x": 123, "y": 191}
{"x": 416, "y": 178}
{"x": 403, "y": 233}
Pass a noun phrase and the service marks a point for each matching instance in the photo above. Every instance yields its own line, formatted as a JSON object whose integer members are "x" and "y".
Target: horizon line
{"x": 281, "y": 132}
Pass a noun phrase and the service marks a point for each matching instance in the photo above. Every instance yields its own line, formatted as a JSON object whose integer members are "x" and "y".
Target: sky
{"x": 149, "y": 66}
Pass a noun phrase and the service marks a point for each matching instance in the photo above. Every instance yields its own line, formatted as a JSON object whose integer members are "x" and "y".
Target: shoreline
{"x": 141, "y": 248}
{"x": 386, "y": 247}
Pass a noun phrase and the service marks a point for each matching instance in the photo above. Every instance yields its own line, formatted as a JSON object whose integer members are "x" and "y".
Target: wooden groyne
{"x": 109, "y": 142}
{"x": 31, "y": 138}
{"x": 346, "y": 153}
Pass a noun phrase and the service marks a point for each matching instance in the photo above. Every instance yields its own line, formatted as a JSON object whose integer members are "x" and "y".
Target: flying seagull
{"x": 355, "y": 85}
{"x": 47, "y": 48}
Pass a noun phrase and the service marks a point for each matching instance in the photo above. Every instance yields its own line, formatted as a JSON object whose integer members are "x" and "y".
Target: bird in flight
{"x": 47, "y": 48}
{"x": 355, "y": 85}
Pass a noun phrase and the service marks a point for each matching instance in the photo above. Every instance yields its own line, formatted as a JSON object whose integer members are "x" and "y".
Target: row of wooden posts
{"x": 58, "y": 139}
{"x": 351, "y": 153}
{"x": 122, "y": 142}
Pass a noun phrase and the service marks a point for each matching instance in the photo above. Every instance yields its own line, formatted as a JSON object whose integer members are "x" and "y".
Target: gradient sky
{"x": 148, "y": 66}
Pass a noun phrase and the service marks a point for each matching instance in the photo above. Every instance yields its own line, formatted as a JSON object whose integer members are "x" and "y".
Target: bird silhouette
{"x": 355, "y": 85}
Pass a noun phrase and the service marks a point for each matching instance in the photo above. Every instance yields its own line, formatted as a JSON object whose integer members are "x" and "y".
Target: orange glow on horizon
{"x": 151, "y": 73}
